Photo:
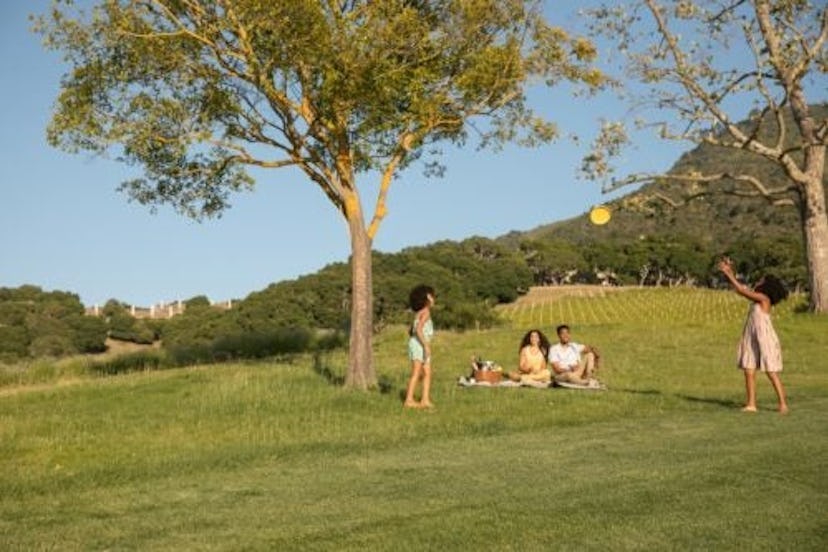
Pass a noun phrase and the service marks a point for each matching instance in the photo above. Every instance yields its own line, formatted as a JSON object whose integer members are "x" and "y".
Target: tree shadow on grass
{"x": 725, "y": 403}
{"x": 637, "y": 391}
{"x": 384, "y": 383}
{"x": 323, "y": 369}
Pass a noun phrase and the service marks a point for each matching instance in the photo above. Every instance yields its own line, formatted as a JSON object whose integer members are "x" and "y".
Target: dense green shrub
{"x": 13, "y": 312}
{"x": 328, "y": 340}
{"x": 89, "y": 333}
{"x": 14, "y": 342}
{"x": 51, "y": 346}
{"x": 199, "y": 327}
{"x": 281, "y": 341}
{"x": 36, "y": 323}
{"x": 123, "y": 326}
{"x": 139, "y": 333}
{"x": 189, "y": 355}
{"x": 130, "y": 362}
{"x": 197, "y": 302}
{"x": 466, "y": 316}
{"x": 261, "y": 345}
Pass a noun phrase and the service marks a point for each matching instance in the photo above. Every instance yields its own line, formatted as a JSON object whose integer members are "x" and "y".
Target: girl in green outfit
{"x": 421, "y": 299}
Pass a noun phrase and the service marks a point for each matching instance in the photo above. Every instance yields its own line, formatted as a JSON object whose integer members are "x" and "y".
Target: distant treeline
{"x": 662, "y": 260}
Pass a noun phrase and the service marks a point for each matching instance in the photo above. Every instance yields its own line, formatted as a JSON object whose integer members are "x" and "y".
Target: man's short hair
{"x": 561, "y": 328}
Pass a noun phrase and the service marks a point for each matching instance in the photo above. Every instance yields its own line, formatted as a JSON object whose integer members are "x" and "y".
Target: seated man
{"x": 572, "y": 362}
{"x": 532, "y": 369}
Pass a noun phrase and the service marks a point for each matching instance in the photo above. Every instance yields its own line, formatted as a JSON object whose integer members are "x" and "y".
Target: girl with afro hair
{"x": 759, "y": 347}
{"x": 421, "y": 299}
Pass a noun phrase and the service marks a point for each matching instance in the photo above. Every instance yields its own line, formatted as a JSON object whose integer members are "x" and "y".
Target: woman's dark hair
{"x": 418, "y": 298}
{"x": 544, "y": 342}
{"x": 771, "y": 286}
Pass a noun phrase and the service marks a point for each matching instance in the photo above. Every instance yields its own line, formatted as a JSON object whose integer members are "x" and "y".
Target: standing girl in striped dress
{"x": 759, "y": 348}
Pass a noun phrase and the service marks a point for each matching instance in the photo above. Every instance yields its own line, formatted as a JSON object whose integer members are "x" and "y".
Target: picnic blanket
{"x": 595, "y": 385}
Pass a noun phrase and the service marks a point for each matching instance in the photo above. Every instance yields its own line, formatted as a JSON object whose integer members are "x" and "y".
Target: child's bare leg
{"x": 750, "y": 388}
{"x": 570, "y": 377}
{"x": 780, "y": 391}
{"x": 425, "y": 401}
{"x": 587, "y": 366}
{"x": 416, "y": 369}
{"x": 579, "y": 372}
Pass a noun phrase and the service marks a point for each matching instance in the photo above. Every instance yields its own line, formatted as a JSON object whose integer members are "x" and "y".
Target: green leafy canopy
{"x": 195, "y": 91}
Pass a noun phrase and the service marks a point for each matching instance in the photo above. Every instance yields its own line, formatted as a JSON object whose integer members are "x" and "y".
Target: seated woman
{"x": 532, "y": 368}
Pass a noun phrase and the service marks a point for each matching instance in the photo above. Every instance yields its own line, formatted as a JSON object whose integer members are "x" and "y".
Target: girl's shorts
{"x": 415, "y": 350}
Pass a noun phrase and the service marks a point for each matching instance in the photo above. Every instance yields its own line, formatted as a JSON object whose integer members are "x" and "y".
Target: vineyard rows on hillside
{"x": 668, "y": 306}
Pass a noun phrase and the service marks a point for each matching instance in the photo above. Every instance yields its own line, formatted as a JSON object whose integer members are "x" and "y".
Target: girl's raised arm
{"x": 726, "y": 267}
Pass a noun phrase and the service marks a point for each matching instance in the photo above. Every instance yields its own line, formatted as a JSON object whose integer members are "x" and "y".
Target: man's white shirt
{"x": 566, "y": 356}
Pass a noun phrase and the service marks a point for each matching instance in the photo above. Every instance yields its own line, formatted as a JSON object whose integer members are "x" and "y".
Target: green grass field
{"x": 272, "y": 456}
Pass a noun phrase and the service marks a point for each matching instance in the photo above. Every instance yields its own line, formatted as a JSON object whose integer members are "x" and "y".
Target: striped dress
{"x": 759, "y": 348}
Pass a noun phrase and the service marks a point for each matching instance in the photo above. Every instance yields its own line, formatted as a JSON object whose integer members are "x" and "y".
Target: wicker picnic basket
{"x": 491, "y": 376}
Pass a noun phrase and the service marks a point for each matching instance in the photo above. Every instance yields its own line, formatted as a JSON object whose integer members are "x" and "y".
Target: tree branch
{"x": 181, "y": 25}
{"x": 809, "y": 54}
{"x": 404, "y": 147}
{"x": 728, "y": 9}
{"x": 774, "y": 196}
{"x": 696, "y": 91}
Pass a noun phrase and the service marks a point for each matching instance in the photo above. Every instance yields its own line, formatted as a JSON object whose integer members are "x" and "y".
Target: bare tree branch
{"x": 726, "y": 10}
{"x": 759, "y": 188}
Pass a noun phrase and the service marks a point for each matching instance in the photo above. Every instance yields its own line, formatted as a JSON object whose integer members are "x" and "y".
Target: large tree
{"x": 196, "y": 91}
{"x": 708, "y": 64}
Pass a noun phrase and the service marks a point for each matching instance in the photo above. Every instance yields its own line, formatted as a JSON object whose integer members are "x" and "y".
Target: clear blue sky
{"x": 64, "y": 226}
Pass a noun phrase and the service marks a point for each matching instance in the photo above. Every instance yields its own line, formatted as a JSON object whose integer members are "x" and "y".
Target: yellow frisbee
{"x": 600, "y": 214}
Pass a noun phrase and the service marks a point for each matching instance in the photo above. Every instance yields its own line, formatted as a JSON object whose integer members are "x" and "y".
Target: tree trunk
{"x": 812, "y": 204}
{"x": 815, "y": 233}
{"x": 361, "y": 373}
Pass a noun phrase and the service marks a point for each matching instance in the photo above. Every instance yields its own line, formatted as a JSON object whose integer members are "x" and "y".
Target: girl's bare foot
{"x": 428, "y": 404}
{"x": 783, "y": 409}
{"x": 749, "y": 409}
{"x": 411, "y": 404}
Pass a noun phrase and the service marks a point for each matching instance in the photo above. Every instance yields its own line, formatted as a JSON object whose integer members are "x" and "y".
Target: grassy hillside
{"x": 271, "y": 456}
